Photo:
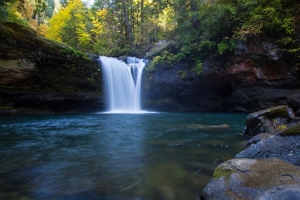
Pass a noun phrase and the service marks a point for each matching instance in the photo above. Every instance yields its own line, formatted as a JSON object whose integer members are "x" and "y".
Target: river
{"x": 114, "y": 156}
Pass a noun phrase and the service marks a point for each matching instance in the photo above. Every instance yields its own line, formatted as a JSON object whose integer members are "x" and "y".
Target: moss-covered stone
{"x": 273, "y": 112}
{"x": 291, "y": 131}
{"x": 222, "y": 172}
{"x": 270, "y": 178}
{"x": 271, "y": 120}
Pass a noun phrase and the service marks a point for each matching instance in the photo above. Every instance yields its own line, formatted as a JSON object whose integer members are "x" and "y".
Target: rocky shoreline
{"x": 269, "y": 168}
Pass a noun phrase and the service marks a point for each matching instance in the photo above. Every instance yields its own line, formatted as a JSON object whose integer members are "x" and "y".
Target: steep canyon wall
{"x": 257, "y": 75}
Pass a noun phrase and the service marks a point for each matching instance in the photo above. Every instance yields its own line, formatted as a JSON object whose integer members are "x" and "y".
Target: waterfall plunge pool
{"x": 114, "y": 156}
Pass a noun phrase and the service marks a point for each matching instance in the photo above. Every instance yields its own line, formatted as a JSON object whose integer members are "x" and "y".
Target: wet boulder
{"x": 285, "y": 148}
{"x": 244, "y": 178}
{"x": 258, "y": 138}
{"x": 271, "y": 120}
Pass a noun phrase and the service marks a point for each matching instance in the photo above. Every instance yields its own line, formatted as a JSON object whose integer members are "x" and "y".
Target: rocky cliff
{"x": 39, "y": 75}
{"x": 259, "y": 74}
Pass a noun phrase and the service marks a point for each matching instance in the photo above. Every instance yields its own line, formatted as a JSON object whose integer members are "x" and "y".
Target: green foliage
{"x": 226, "y": 45}
{"x": 165, "y": 58}
{"x": 12, "y": 14}
{"x": 209, "y": 31}
{"x": 107, "y": 48}
{"x": 198, "y": 68}
{"x": 74, "y": 53}
{"x": 213, "y": 29}
{"x": 285, "y": 41}
{"x": 297, "y": 50}
{"x": 14, "y": 17}
{"x": 267, "y": 17}
{"x": 113, "y": 28}
{"x": 71, "y": 25}
{"x": 168, "y": 58}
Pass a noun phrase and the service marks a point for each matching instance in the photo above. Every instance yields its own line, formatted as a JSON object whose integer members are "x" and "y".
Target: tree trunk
{"x": 127, "y": 24}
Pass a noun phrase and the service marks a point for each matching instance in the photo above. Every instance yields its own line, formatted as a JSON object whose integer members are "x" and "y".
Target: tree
{"x": 71, "y": 26}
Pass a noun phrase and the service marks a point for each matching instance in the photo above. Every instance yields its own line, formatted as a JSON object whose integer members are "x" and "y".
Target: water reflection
{"x": 111, "y": 156}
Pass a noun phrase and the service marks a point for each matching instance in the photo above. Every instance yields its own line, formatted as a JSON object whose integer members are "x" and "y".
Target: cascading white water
{"x": 122, "y": 84}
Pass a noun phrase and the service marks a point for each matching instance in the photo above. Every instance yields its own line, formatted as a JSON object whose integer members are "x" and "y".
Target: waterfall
{"x": 122, "y": 84}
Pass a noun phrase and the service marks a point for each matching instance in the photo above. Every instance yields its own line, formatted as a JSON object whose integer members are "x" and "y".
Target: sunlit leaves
{"x": 70, "y": 25}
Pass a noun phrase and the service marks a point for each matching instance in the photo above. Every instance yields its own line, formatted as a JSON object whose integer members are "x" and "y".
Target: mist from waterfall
{"x": 122, "y": 84}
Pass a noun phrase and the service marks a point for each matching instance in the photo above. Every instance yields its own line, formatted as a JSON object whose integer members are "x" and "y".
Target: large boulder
{"x": 271, "y": 120}
{"x": 242, "y": 179}
{"x": 285, "y": 148}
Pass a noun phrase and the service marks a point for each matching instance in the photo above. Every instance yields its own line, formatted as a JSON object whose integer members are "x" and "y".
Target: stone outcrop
{"x": 269, "y": 168}
{"x": 257, "y": 75}
{"x": 242, "y": 179}
{"x": 38, "y": 75}
{"x": 285, "y": 148}
{"x": 270, "y": 120}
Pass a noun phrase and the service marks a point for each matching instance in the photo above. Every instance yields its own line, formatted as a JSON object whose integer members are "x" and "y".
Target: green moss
{"x": 277, "y": 112}
{"x": 168, "y": 58}
{"x": 294, "y": 130}
{"x": 222, "y": 172}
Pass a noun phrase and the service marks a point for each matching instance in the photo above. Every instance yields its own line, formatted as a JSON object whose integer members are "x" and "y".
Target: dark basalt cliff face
{"x": 38, "y": 75}
{"x": 257, "y": 75}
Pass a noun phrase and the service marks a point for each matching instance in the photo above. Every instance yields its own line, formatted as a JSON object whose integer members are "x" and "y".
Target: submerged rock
{"x": 270, "y": 178}
{"x": 202, "y": 126}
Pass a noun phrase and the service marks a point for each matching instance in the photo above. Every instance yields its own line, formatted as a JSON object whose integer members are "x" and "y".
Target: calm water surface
{"x": 114, "y": 156}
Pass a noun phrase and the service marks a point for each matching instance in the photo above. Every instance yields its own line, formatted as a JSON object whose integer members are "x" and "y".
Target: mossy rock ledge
{"x": 271, "y": 120}
{"x": 38, "y": 75}
{"x": 283, "y": 139}
{"x": 242, "y": 179}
